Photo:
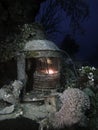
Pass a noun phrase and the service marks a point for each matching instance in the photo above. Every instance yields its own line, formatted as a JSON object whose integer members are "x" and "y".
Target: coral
{"x": 74, "y": 105}
{"x": 9, "y": 97}
{"x": 10, "y": 93}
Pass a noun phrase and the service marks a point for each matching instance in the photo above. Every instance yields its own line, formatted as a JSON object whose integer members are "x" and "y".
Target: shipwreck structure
{"x": 35, "y": 95}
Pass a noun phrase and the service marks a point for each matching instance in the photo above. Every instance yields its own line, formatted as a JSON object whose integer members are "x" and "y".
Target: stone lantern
{"x": 38, "y": 66}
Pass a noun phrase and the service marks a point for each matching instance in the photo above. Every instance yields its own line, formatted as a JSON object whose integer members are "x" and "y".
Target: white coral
{"x": 74, "y": 104}
{"x": 10, "y": 93}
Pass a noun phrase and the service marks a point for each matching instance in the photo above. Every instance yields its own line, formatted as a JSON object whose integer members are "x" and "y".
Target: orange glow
{"x": 49, "y": 71}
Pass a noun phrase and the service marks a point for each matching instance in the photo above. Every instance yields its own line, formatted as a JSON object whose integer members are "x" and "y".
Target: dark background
{"x": 88, "y": 41}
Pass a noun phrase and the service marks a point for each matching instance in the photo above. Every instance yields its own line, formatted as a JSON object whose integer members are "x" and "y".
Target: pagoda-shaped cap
{"x": 36, "y": 45}
{"x": 41, "y": 48}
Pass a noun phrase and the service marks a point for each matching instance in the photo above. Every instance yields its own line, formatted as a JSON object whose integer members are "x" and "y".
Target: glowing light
{"x": 49, "y": 71}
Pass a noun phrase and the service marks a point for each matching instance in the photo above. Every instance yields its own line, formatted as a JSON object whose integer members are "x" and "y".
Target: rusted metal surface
{"x": 43, "y": 82}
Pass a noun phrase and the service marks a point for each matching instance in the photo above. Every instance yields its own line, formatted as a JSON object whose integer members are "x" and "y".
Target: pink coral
{"x": 74, "y": 104}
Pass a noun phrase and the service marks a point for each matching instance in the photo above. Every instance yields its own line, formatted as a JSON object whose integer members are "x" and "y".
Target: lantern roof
{"x": 41, "y": 48}
{"x": 37, "y": 45}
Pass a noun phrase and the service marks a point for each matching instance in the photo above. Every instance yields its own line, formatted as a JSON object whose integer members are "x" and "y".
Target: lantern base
{"x": 35, "y": 96}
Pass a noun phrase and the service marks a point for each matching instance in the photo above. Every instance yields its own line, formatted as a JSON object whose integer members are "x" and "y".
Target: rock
{"x": 10, "y": 93}
{"x": 7, "y": 110}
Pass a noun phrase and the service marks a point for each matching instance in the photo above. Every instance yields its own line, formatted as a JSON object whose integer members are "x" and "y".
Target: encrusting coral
{"x": 74, "y": 105}
{"x": 10, "y": 93}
